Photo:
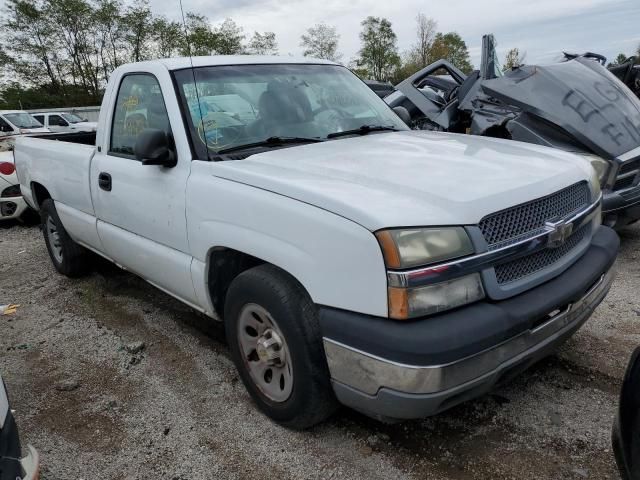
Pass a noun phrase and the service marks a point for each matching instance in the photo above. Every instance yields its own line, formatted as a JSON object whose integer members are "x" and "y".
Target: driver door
{"x": 141, "y": 208}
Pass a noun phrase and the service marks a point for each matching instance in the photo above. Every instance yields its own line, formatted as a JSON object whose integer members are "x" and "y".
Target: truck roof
{"x": 180, "y": 63}
{"x": 11, "y": 111}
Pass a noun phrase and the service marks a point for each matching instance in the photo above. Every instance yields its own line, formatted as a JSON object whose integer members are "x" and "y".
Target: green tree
{"x": 110, "y": 32}
{"x": 229, "y": 38}
{"x": 30, "y": 37}
{"x": 168, "y": 37}
{"x": 379, "y": 52}
{"x": 201, "y": 40}
{"x": 321, "y": 41}
{"x": 263, "y": 44}
{"x": 138, "y": 22}
{"x": 513, "y": 59}
{"x": 450, "y": 46}
{"x": 420, "y": 53}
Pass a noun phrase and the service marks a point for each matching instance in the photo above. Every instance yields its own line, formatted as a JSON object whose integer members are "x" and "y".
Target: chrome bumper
{"x": 368, "y": 374}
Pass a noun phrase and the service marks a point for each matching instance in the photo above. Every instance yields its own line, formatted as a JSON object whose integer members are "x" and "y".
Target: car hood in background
{"x": 580, "y": 96}
{"x": 410, "y": 178}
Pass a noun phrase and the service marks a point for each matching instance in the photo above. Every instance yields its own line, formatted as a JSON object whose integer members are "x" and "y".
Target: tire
{"x": 67, "y": 256}
{"x": 266, "y": 288}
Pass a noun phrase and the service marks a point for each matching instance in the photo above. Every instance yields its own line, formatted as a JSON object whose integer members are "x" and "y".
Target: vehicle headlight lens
{"x": 406, "y": 248}
{"x": 407, "y": 303}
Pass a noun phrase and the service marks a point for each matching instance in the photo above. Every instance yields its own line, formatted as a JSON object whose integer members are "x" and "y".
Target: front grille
{"x": 627, "y": 175}
{"x": 522, "y": 267}
{"x": 528, "y": 219}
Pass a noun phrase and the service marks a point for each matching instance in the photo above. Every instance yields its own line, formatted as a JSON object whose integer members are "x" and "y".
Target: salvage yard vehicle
{"x": 65, "y": 122}
{"x": 346, "y": 258}
{"x": 629, "y": 73}
{"x": 12, "y": 205}
{"x": 16, "y": 122}
{"x": 575, "y": 105}
{"x": 12, "y": 465}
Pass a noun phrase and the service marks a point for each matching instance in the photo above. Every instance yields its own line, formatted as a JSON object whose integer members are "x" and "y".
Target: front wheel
{"x": 274, "y": 335}
{"x": 67, "y": 256}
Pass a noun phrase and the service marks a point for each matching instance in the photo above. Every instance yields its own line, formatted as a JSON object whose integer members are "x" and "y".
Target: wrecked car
{"x": 576, "y": 105}
{"x": 629, "y": 73}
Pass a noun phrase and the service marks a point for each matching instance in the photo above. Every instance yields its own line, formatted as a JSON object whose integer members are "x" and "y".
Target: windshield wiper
{"x": 363, "y": 130}
{"x": 270, "y": 142}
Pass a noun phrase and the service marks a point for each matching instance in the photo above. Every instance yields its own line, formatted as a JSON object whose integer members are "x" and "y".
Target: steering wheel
{"x": 334, "y": 119}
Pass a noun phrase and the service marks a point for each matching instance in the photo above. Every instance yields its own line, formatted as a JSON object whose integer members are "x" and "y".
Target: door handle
{"x": 104, "y": 181}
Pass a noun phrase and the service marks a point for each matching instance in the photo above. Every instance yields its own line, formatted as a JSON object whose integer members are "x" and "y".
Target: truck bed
{"x": 61, "y": 162}
{"x": 84, "y": 138}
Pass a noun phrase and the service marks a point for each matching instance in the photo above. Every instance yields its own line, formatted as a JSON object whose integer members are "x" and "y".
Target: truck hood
{"x": 580, "y": 96}
{"x": 410, "y": 178}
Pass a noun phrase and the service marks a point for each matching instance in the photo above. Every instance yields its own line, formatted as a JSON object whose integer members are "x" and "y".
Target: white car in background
{"x": 18, "y": 122}
{"x": 12, "y": 205}
{"x": 65, "y": 122}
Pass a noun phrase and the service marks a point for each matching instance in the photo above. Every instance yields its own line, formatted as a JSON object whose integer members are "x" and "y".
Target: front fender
{"x": 337, "y": 261}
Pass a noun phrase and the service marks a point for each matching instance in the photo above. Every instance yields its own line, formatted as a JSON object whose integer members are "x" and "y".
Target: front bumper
{"x": 12, "y": 207}
{"x": 398, "y": 370}
{"x": 621, "y": 208}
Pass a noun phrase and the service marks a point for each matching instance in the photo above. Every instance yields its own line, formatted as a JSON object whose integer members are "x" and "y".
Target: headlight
{"x": 413, "y": 247}
{"x": 406, "y": 303}
{"x": 406, "y": 248}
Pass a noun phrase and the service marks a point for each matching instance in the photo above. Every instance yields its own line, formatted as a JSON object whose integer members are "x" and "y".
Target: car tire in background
{"x": 67, "y": 256}
{"x": 274, "y": 335}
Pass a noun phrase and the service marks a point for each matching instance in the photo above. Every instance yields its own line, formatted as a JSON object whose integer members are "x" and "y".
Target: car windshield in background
{"x": 244, "y": 104}
{"x": 22, "y": 120}
{"x": 72, "y": 118}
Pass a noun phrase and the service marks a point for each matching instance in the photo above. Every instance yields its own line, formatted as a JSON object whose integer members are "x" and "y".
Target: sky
{"x": 541, "y": 28}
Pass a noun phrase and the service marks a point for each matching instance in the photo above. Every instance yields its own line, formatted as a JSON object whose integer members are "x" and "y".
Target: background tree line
{"x": 60, "y": 53}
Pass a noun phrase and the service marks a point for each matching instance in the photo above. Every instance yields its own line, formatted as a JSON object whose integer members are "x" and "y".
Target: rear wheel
{"x": 67, "y": 256}
{"x": 274, "y": 335}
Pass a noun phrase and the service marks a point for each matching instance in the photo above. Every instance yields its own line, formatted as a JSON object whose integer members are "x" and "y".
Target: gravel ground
{"x": 98, "y": 404}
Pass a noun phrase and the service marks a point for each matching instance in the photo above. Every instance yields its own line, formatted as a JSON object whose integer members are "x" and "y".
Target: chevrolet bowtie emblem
{"x": 559, "y": 232}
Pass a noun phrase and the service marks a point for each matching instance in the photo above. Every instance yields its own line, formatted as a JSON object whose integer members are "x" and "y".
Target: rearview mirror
{"x": 153, "y": 148}
{"x": 404, "y": 114}
{"x": 626, "y": 427}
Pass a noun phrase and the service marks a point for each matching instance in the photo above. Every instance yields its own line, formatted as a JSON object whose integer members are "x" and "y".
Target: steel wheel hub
{"x": 265, "y": 353}
{"x": 53, "y": 237}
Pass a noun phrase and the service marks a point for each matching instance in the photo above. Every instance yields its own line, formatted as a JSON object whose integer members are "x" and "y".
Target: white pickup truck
{"x": 351, "y": 259}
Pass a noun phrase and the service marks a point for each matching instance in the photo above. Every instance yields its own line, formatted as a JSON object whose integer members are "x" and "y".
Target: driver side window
{"x": 139, "y": 106}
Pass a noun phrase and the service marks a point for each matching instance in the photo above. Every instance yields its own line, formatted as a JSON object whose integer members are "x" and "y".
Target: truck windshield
{"x": 232, "y": 106}
{"x": 22, "y": 120}
{"x": 72, "y": 118}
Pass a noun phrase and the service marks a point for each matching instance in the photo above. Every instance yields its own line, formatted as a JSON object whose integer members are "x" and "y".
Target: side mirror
{"x": 153, "y": 148}
{"x": 626, "y": 427}
{"x": 404, "y": 114}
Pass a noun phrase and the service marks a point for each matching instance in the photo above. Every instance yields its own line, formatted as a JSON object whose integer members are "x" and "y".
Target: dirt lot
{"x": 96, "y": 408}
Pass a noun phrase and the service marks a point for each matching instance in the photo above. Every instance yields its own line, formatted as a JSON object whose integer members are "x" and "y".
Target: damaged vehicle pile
{"x": 576, "y": 105}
